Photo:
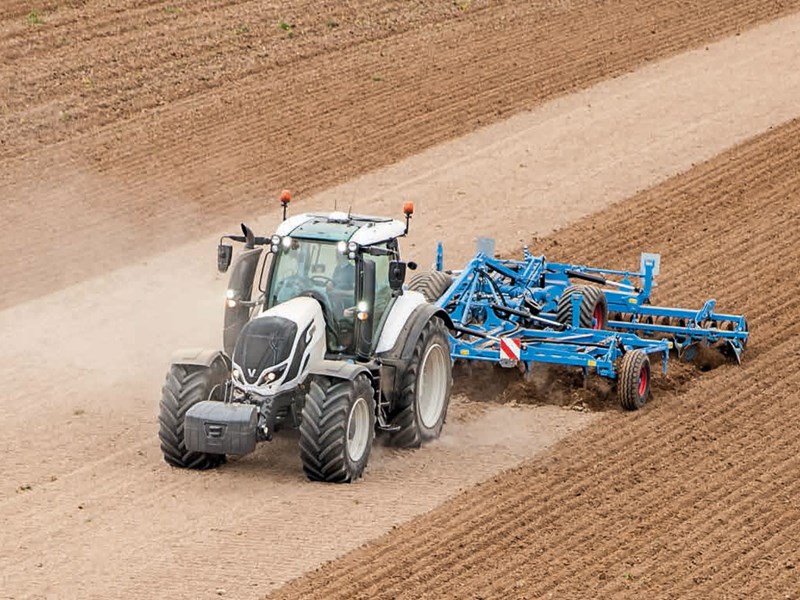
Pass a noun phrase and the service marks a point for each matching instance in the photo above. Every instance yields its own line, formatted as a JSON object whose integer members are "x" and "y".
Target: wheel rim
{"x": 358, "y": 430}
{"x": 643, "y": 378}
{"x": 597, "y": 317}
{"x": 432, "y": 386}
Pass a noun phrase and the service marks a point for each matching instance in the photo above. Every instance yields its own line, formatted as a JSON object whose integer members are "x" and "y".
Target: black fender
{"x": 240, "y": 287}
{"x": 200, "y": 357}
{"x": 394, "y": 362}
{"x": 339, "y": 369}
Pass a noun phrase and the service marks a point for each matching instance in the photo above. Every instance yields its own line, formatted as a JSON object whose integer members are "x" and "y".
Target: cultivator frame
{"x": 504, "y": 311}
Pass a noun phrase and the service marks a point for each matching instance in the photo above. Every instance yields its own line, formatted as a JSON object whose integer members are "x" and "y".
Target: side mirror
{"x": 397, "y": 274}
{"x": 224, "y": 257}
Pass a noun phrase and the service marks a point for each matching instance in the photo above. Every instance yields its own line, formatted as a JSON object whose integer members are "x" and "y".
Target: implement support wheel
{"x": 633, "y": 384}
{"x": 431, "y": 284}
{"x": 593, "y": 309}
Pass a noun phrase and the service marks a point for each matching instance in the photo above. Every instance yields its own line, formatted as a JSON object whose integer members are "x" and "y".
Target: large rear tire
{"x": 633, "y": 383}
{"x": 425, "y": 388}
{"x": 337, "y": 429}
{"x": 594, "y": 307}
{"x": 186, "y": 385}
{"x": 431, "y": 284}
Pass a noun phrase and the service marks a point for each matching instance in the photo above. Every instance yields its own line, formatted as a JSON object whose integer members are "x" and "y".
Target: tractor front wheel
{"x": 186, "y": 385}
{"x": 633, "y": 383}
{"x": 424, "y": 388}
{"x": 337, "y": 429}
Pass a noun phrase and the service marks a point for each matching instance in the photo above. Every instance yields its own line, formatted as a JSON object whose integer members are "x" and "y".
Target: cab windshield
{"x": 319, "y": 270}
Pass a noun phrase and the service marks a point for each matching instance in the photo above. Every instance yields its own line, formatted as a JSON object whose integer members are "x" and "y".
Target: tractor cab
{"x": 348, "y": 263}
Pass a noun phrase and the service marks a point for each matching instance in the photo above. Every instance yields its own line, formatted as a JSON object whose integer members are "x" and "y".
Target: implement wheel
{"x": 431, "y": 284}
{"x": 633, "y": 383}
{"x": 594, "y": 308}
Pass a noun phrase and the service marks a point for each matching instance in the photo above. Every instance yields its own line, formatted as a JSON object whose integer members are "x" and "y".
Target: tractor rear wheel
{"x": 186, "y": 385}
{"x": 633, "y": 383}
{"x": 431, "y": 284}
{"x": 425, "y": 387}
{"x": 594, "y": 307}
{"x": 337, "y": 429}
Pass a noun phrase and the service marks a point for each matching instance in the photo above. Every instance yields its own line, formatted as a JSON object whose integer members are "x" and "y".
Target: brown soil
{"x": 130, "y": 127}
{"x": 695, "y": 497}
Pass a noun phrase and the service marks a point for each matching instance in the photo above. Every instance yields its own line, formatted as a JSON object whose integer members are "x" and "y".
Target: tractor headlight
{"x": 230, "y": 294}
{"x": 286, "y": 242}
{"x": 236, "y": 374}
{"x": 275, "y": 243}
{"x": 231, "y": 303}
{"x": 352, "y": 250}
{"x": 342, "y": 247}
{"x": 268, "y": 376}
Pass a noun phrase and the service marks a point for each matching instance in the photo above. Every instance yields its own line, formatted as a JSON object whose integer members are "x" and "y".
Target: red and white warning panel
{"x": 510, "y": 349}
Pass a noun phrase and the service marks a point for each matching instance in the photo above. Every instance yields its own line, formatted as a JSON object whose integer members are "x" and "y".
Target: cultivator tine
{"x": 688, "y": 352}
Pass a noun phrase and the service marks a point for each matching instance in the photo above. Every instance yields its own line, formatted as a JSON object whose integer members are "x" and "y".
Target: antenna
{"x": 350, "y": 211}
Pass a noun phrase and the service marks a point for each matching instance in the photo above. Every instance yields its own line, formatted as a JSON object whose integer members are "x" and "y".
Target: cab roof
{"x": 339, "y": 226}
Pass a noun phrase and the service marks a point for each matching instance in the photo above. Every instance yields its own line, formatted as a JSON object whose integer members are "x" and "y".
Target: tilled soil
{"x": 130, "y": 127}
{"x": 694, "y": 497}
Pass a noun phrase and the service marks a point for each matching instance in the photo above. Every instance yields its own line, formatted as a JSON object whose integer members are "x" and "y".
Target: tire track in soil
{"x": 152, "y": 154}
{"x": 695, "y": 496}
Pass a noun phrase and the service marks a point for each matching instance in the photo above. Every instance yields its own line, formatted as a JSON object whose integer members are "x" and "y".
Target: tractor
{"x": 322, "y": 335}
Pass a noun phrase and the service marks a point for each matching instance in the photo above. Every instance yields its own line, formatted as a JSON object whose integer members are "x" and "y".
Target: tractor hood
{"x": 283, "y": 340}
{"x": 264, "y": 342}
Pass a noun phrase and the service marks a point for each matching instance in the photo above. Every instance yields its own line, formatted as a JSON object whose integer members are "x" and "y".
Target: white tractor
{"x": 321, "y": 334}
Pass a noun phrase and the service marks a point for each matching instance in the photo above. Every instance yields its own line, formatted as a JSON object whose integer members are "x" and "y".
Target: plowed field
{"x": 697, "y": 496}
{"x": 132, "y": 132}
{"x": 132, "y": 126}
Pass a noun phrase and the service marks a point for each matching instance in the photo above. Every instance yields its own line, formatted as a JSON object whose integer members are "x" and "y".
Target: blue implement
{"x": 520, "y": 312}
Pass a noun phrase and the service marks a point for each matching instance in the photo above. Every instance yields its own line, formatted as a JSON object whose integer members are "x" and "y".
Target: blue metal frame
{"x": 491, "y": 299}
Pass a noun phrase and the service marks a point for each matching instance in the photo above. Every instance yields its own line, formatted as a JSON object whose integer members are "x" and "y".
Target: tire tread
{"x": 183, "y": 388}
{"x": 591, "y": 296}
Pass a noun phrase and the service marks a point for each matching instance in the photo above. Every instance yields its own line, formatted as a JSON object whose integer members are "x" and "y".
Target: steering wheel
{"x": 321, "y": 280}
